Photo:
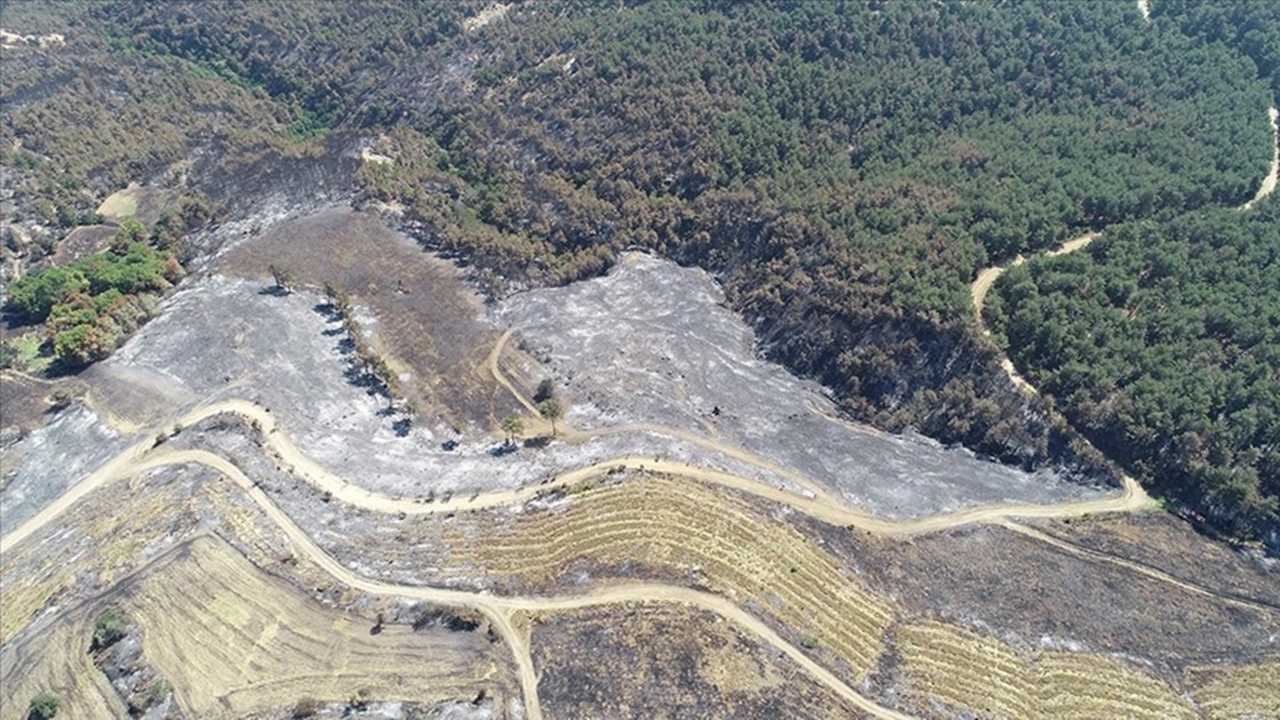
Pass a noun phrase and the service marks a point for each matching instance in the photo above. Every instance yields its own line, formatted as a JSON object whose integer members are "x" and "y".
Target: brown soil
{"x": 1172, "y": 546}
{"x": 667, "y": 661}
{"x": 1030, "y": 593}
{"x": 429, "y": 321}
{"x": 82, "y": 242}
{"x": 23, "y": 404}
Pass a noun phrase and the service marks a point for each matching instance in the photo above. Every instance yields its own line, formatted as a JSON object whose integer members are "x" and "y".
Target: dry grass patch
{"x": 91, "y": 548}
{"x": 967, "y": 670}
{"x": 58, "y": 662}
{"x": 683, "y": 528}
{"x": 659, "y": 660}
{"x": 234, "y": 642}
{"x": 429, "y": 321}
{"x": 143, "y": 203}
{"x": 1242, "y": 691}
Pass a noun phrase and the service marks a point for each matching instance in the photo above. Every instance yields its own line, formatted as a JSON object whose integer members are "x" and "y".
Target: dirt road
{"x": 146, "y": 455}
{"x": 499, "y": 610}
{"x": 1269, "y": 182}
{"x": 1137, "y": 567}
{"x": 823, "y": 508}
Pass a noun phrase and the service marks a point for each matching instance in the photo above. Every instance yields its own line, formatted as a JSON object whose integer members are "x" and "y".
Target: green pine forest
{"x": 844, "y": 168}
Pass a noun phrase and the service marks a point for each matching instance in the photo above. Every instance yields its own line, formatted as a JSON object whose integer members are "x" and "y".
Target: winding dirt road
{"x": 500, "y": 611}
{"x": 135, "y": 457}
{"x": 147, "y": 455}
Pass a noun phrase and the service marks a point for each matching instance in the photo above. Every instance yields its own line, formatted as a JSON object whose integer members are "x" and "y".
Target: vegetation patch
{"x": 1160, "y": 343}
{"x": 429, "y": 324}
{"x": 90, "y": 306}
{"x": 120, "y": 205}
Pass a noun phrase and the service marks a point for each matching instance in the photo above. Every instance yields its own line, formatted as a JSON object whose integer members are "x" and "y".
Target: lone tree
{"x": 283, "y": 276}
{"x": 552, "y": 410}
{"x": 43, "y": 707}
{"x": 546, "y": 390}
{"x": 512, "y": 425}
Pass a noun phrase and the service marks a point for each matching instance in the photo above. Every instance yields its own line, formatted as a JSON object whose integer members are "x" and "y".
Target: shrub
{"x": 306, "y": 707}
{"x": 108, "y": 630}
{"x": 43, "y": 706}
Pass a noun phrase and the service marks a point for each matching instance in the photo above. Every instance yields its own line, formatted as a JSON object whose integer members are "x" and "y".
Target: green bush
{"x": 108, "y": 630}
{"x": 43, "y": 706}
{"x": 35, "y": 295}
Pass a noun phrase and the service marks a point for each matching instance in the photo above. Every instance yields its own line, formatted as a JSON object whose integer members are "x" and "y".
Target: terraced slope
{"x": 966, "y": 670}
{"x": 59, "y": 659}
{"x": 234, "y": 643}
{"x": 685, "y": 528}
{"x": 1245, "y": 691}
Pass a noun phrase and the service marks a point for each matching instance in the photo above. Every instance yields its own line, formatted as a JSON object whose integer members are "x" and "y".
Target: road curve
{"x": 499, "y": 610}
{"x": 1131, "y": 497}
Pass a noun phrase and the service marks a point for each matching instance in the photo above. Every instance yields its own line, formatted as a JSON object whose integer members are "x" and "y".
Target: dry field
{"x": 1243, "y": 691}
{"x": 1171, "y": 545}
{"x": 234, "y": 642}
{"x": 429, "y": 322}
{"x": 963, "y": 669}
{"x": 684, "y": 529}
{"x": 143, "y": 203}
{"x": 59, "y": 661}
{"x": 667, "y": 661}
{"x": 95, "y": 545}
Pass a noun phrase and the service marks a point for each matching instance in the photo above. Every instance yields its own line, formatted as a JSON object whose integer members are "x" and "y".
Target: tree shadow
{"x": 503, "y": 449}
{"x": 328, "y": 311}
{"x": 274, "y": 290}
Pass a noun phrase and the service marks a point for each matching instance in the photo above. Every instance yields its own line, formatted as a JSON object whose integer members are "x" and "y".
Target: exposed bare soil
{"x": 83, "y": 241}
{"x": 1036, "y": 596}
{"x": 666, "y": 661}
{"x": 651, "y": 343}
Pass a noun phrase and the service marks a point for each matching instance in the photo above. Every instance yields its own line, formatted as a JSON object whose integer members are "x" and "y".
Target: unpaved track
{"x": 1137, "y": 567}
{"x": 1131, "y": 498}
{"x": 499, "y": 610}
{"x": 144, "y": 455}
{"x": 1269, "y": 182}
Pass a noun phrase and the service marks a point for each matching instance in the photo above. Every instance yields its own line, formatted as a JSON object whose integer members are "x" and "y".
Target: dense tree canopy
{"x": 1163, "y": 341}
{"x": 845, "y": 168}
